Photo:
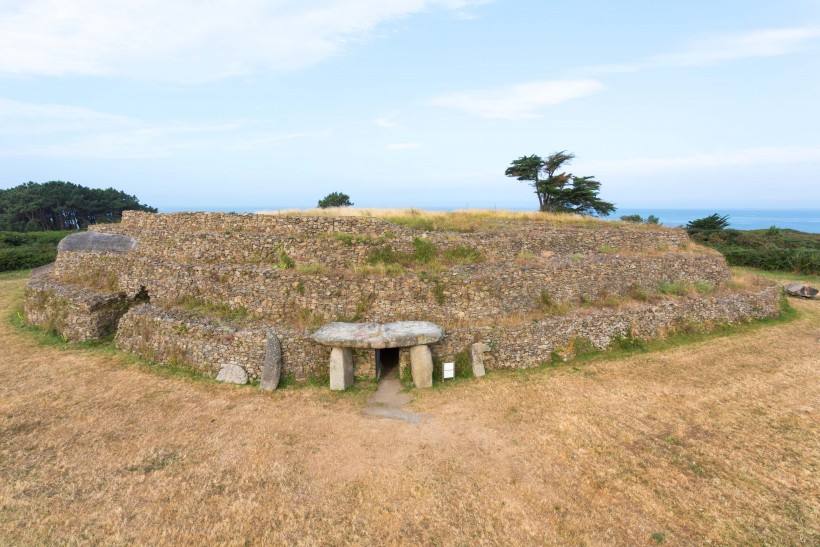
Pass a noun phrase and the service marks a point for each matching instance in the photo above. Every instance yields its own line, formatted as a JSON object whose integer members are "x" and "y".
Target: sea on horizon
{"x": 804, "y": 220}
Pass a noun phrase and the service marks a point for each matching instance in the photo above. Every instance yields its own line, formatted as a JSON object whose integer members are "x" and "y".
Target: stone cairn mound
{"x": 297, "y": 297}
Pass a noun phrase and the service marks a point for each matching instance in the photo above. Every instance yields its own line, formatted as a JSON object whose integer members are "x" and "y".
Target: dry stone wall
{"x": 257, "y": 239}
{"x": 478, "y": 292}
{"x": 528, "y": 345}
{"x": 78, "y": 313}
{"x": 176, "y": 337}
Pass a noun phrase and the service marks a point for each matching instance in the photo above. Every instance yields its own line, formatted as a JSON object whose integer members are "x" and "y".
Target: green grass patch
{"x": 462, "y": 255}
{"x": 781, "y": 277}
{"x": 17, "y": 274}
{"x": 424, "y": 253}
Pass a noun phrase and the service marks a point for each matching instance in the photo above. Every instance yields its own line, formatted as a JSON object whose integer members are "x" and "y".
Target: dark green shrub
{"x": 24, "y": 250}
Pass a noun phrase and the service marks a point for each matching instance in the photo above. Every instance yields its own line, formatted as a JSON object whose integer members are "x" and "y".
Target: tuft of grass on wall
{"x": 209, "y": 309}
{"x": 676, "y": 288}
{"x": 462, "y": 255}
{"x": 285, "y": 262}
{"x": 549, "y": 305}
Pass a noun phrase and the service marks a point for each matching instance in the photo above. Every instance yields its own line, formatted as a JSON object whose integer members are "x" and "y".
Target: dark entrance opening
{"x": 387, "y": 362}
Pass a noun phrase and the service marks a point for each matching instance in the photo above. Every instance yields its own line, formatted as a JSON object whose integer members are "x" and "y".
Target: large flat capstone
{"x": 377, "y": 336}
{"x": 95, "y": 241}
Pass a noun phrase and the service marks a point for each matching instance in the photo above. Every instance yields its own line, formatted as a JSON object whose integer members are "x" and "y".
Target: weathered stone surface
{"x": 421, "y": 366}
{"x": 801, "y": 290}
{"x": 232, "y": 374}
{"x": 78, "y": 313}
{"x": 375, "y": 336}
{"x": 95, "y": 241}
{"x": 477, "y": 358}
{"x": 341, "y": 368}
{"x": 43, "y": 271}
{"x": 272, "y": 369}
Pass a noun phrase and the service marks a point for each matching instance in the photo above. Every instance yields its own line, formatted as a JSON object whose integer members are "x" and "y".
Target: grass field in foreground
{"x": 715, "y": 441}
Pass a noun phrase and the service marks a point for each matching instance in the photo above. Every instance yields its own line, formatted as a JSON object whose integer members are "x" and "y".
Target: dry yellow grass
{"x": 463, "y": 220}
{"x": 712, "y": 442}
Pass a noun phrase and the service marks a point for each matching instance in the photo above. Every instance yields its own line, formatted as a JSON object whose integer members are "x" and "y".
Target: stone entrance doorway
{"x": 415, "y": 335}
{"x": 387, "y": 361}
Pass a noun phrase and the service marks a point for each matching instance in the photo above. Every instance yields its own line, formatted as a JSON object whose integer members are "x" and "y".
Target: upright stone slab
{"x": 341, "y": 368}
{"x": 477, "y": 358}
{"x": 272, "y": 369}
{"x": 421, "y": 366}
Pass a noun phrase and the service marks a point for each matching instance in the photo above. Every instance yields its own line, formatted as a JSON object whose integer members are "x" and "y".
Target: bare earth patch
{"x": 716, "y": 441}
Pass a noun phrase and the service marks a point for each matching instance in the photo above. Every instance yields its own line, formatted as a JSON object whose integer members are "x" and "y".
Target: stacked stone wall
{"x": 234, "y": 238}
{"x": 77, "y": 313}
{"x": 476, "y": 292}
{"x": 175, "y": 337}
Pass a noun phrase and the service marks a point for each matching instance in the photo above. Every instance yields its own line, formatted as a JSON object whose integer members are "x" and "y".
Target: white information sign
{"x": 448, "y": 370}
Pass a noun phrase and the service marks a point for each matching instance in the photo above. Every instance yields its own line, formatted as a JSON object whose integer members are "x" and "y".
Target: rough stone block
{"x": 421, "y": 366}
{"x": 477, "y": 358}
{"x": 341, "y": 368}
{"x": 232, "y": 374}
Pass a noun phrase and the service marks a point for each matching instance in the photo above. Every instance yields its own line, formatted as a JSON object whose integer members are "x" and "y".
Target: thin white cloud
{"x": 748, "y": 157}
{"x": 712, "y": 51}
{"x": 517, "y": 102}
{"x": 405, "y": 146}
{"x": 187, "y": 40}
{"x": 61, "y": 131}
{"x": 387, "y": 122}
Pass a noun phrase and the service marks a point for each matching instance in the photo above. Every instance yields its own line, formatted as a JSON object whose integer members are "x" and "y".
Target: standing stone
{"x": 421, "y": 366}
{"x": 477, "y": 358}
{"x": 341, "y": 368}
{"x": 272, "y": 369}
{"x": 232, "y": 374}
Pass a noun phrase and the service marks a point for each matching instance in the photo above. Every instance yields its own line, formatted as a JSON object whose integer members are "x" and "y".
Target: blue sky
{"x": 423, "y": 103}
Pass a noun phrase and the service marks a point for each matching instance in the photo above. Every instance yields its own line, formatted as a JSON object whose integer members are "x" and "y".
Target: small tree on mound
{"x": 560, "y": 192}
{"x": 335, "y": 199}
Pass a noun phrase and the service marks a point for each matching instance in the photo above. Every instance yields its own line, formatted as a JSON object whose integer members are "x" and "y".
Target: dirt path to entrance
{"x": 717, "y": 441}
{"x": 390, "y": 399}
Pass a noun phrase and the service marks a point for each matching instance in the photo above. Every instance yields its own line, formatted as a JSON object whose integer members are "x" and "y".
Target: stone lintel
{"x": 377, "y": 336}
